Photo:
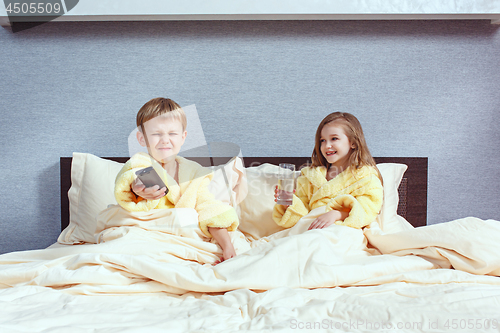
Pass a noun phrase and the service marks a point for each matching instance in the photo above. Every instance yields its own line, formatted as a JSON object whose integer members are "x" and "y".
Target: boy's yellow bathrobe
{"x": 358, "y": 191}
{"x": 192, "y": 192}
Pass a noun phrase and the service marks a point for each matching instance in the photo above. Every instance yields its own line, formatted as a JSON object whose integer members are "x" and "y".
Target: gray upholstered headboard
{"x": 412, "y": 191}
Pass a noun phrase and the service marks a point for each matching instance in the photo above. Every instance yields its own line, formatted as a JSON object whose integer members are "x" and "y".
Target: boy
{"x": 162, "y": 128}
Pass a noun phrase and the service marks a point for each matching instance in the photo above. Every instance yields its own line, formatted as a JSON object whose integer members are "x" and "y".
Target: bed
{"x": 396, "y": 275}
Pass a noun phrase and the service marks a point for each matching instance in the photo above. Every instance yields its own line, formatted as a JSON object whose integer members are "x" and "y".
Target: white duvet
{"x": 153, "y": 272}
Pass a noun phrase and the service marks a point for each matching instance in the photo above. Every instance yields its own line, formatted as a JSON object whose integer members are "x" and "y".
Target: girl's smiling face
{"x": 165, "y": 136}
{"x": 335, "y": 145}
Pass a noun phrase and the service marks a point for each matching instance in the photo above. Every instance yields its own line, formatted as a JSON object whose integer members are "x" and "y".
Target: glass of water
{"x": 286, "y": 184}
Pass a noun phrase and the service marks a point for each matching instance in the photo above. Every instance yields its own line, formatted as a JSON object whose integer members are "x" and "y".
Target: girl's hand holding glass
{"x": 286, "y": 184}
{"x": 276, "y": 195}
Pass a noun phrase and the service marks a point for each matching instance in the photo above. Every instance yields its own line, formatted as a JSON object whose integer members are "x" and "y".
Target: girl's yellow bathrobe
{"x": 358, "y": 191}
{"x": 191, "y": 192}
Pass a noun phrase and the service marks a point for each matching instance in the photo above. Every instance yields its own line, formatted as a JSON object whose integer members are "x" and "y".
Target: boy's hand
{"x": 227, "y": 253}
{"x": 148, "y": 193}
{"x": 328, "y": 219}
{"x": 222, "y": 237}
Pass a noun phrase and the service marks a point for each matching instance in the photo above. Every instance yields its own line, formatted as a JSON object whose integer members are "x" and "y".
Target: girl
{"x": 343, "y": 177}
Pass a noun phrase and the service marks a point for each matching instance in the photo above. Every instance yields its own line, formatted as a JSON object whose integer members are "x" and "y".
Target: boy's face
{"x": 165, "y": 136}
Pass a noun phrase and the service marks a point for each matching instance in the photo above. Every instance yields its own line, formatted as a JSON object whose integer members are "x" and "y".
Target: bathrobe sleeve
{"x": 212, "y": 212}
{"x": 288, "y": 217}
{"x": 363, "y": 203}
{"x": 124, "y": 195}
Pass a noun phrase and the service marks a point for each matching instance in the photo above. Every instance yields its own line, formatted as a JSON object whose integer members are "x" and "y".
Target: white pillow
{"x": 229, "y": 182}
{"x": 92, "y": 190}
{"x": 255, "y": 211}
{"x": 388, "y": 219}
{"x": 93, "y": 181}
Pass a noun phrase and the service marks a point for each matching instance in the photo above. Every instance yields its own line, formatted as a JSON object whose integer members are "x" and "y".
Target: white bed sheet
{"x": 324, "y": 280}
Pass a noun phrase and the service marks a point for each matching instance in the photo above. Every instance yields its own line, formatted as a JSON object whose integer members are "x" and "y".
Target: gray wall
{"x": 420, "y": 88}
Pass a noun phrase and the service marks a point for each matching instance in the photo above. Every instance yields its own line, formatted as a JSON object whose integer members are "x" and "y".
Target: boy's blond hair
{"x": 160, "y": 106}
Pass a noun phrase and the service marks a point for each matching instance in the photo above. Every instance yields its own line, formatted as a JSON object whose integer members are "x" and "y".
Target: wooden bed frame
{"x": 412, "y": 191}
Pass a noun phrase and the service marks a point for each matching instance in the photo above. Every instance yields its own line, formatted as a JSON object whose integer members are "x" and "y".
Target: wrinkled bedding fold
{"x": 152, "y": 271}
{"x": 164, "y": 250}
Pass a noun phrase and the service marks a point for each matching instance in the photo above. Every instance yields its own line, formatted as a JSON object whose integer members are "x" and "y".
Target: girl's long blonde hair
{"x": 359, "y": 156}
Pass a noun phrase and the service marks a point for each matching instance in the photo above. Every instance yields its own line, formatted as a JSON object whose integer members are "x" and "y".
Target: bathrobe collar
{"x": 317, "y": 176}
